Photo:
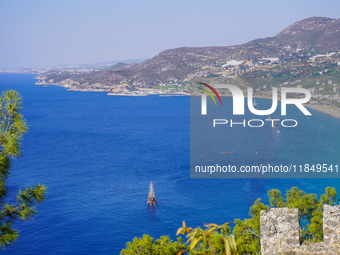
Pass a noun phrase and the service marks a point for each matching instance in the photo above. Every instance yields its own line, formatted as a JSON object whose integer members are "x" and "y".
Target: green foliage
{"x": 299, "y": 199}
{"x": 276, "y": 199}
{"x": 329, "y": 197}
{"x": 310, "y": 215}
{"x": 248, "y": 231}
{"x": 147, "y": 246}
{"x": 313, "y": 227}
{"x": 214, "y": 239}
{"x": 12, "y": 128}
{"x": 12, "y": 124}
{"x": 246, "y": 236}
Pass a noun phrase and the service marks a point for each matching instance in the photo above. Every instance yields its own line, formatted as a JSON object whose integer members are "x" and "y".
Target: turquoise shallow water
{"x": 97, "y": 155}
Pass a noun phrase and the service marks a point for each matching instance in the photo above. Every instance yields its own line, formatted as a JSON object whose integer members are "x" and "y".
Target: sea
{"x": 97, "y": 155}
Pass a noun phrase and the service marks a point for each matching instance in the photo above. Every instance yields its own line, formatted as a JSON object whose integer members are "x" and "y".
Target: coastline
{"x": 329, "y": 110}
{"x": 325, "y": 109}
{"x": 110, "y": 93}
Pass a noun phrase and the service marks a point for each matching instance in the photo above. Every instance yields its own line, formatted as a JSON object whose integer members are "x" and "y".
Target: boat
{"x": 229, "y": 152}
{"x": 151, "y": 195}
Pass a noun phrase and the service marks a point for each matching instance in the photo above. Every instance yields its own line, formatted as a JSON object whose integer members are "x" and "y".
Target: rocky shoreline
{"x": 108, "y": 90}
{"x": 329, "y": 110}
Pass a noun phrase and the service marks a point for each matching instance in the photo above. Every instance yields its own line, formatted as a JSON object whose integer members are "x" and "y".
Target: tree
{"x": 276, "y": 199}
{"x": 147, "y": 246}
{"x": 12, "y": 128}
{"x": 310, "y": 216}
{"x": 248, "y": 231}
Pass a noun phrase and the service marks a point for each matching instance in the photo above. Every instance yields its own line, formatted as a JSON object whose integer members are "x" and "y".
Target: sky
{"x": 40, "y": 33}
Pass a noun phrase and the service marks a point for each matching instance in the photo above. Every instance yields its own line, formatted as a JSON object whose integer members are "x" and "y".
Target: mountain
{"x": 298, "y": 42}
{"x": 321, "y": 34}
{"x": 315, "y": 35}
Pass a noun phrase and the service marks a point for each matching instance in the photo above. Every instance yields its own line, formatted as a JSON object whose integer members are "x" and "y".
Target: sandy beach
{"x": 325, "y": 109}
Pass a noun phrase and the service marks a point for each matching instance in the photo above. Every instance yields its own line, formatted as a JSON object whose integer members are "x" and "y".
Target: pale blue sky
{"x": 40, "y": 33}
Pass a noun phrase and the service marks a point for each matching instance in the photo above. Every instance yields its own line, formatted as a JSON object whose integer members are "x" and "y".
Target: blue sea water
{"x": 314, "y": 141}
{"x": 97, "y": 155}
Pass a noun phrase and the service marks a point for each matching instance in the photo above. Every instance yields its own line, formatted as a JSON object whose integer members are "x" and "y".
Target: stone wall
{"x": 280, "y": 231}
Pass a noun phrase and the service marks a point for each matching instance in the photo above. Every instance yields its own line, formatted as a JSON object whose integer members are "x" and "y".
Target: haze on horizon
{"x": 48, "y": 33}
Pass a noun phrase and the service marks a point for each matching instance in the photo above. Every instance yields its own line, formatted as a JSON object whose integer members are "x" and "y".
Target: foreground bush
{"x": 148, "y": 246}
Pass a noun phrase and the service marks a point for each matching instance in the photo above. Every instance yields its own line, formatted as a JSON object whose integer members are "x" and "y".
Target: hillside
{"x": 305, "y": 54}
{"x": 309, "y": 36}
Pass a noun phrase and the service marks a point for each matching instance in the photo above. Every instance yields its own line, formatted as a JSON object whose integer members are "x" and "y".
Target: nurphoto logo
{"x": 239, "y": 104}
